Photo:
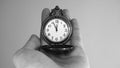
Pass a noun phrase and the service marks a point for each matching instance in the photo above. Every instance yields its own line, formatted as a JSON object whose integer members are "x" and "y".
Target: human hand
{"x": 30, "y": 57}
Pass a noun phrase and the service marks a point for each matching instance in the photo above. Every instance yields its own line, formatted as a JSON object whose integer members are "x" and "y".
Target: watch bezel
{"x": 66, "y": 20}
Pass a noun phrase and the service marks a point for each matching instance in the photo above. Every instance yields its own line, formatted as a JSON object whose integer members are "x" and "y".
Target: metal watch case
{"x": 57, "y": 48}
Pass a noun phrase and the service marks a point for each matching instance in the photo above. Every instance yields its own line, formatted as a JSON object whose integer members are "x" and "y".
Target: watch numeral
{"x": 60, "y": 38}
{"x": 64, "y": 25}
{"x": 64, "y": 34}
{"x": 52, "y": 23}
{"x": 47, "y": 30}
{"x": 65, "y": 30}
{"x": 56, "y": 21}
{"x": 56, "y": 39}
{"x": 49, "y": 25}
{"x": 52, "y": 37}
{"x": 48, "y": 34}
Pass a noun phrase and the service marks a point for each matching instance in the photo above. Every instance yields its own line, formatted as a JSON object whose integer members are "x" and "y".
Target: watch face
{"x": 56, "y": 30}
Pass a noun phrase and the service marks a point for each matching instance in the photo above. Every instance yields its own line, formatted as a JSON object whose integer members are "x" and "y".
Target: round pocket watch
{"x": 56, "y": 31}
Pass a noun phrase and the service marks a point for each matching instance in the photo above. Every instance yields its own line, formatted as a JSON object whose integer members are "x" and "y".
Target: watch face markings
{"x": 64, "y": 25}
{"x": 56, "y": 21}
{"x": 52, "y": 37}
{"x": 49, "y": 25}
{"x": 65, "y": 30}
{"x": 48, "y": 34}
{"x": 56, "y": 32}
{"x": 52, "y": 23}
{"x": 64, "y": 34}
{"x": 56, "y": 38}
{"x": 61, "y": 22}
{"x": 47, "y": 30}
{"x": 60, "y": 37}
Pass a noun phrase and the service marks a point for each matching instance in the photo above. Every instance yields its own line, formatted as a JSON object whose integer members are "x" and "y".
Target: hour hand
{"x": 56, "y": 27}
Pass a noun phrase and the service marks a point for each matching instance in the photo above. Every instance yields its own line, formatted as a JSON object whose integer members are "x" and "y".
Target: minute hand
{"x": 55, "y": 26}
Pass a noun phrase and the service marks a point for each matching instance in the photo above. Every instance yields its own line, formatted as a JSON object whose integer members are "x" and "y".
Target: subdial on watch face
{"x": 56, "y": 30}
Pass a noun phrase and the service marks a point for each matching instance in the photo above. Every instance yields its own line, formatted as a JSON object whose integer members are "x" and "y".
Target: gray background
{"x": 99, "y": 25}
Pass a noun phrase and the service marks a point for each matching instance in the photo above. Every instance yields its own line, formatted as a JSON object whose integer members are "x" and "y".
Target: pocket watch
{"x": 56, "y": 31}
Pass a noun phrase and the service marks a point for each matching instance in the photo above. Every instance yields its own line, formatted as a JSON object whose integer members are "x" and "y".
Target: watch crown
{"x": 56, "y": 11}
{"x": 57, "y": 8}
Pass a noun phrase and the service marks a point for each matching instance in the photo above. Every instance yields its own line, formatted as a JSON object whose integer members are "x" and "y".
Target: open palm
{"x": 30, "y": 57}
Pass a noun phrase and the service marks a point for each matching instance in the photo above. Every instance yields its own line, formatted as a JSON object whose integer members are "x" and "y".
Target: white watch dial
{"x": 56, "y": 30}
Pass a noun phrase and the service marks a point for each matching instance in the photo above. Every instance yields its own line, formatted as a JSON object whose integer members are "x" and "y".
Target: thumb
{"x": 33, "y": 42}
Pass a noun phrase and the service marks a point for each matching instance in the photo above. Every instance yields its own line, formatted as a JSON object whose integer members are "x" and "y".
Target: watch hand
{"x": 55, "y": 26}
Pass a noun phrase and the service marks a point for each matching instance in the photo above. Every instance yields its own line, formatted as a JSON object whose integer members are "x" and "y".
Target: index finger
{"x": 45, "y": 14}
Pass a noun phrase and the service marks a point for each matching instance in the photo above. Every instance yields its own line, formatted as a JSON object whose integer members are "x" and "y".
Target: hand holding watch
{"x": 56, "y": 31}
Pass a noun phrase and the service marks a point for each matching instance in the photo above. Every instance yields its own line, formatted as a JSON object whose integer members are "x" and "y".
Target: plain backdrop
{"x": 99, "y": 26}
